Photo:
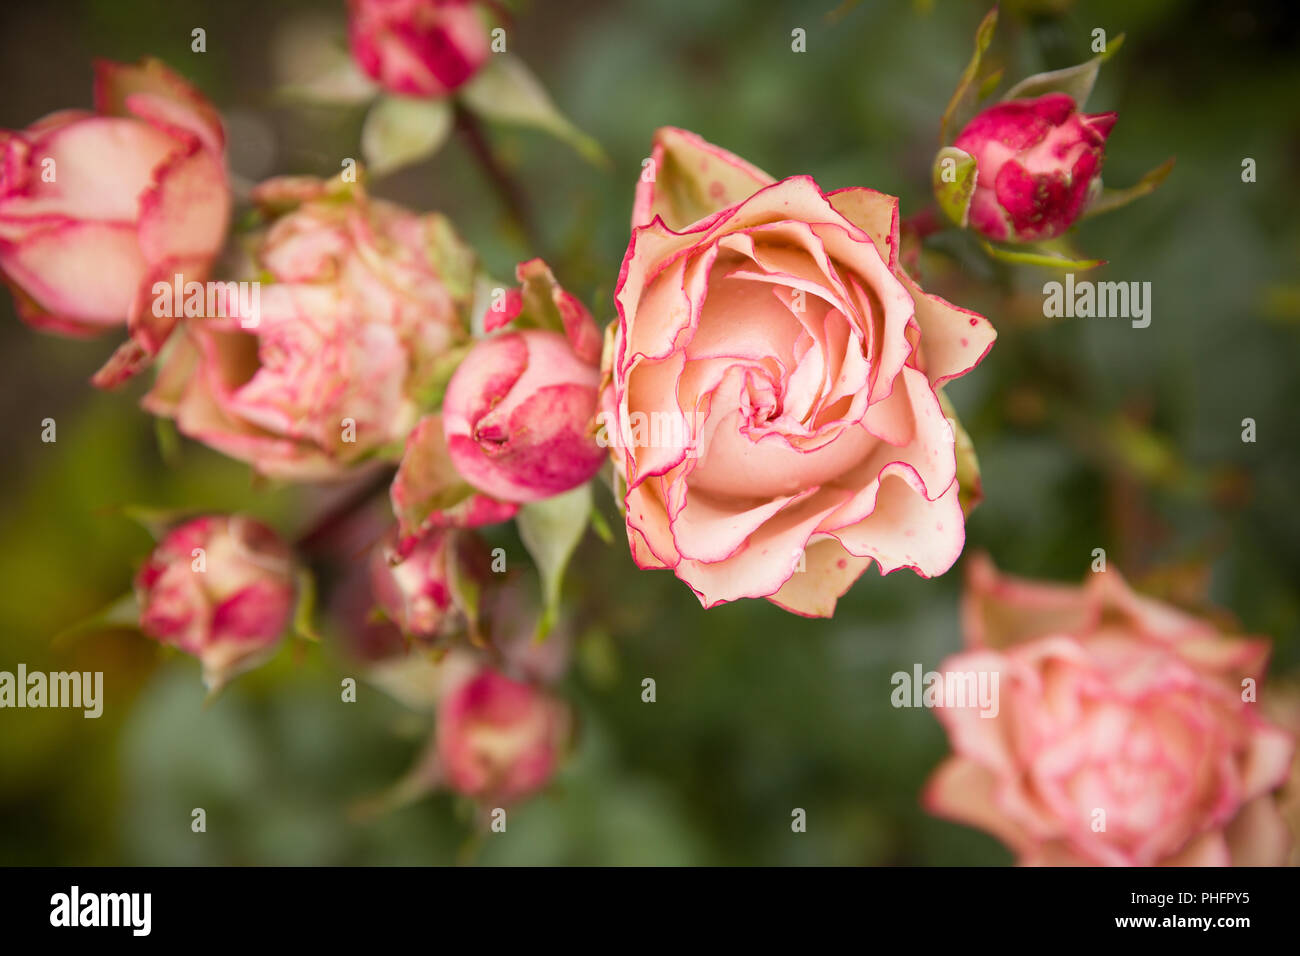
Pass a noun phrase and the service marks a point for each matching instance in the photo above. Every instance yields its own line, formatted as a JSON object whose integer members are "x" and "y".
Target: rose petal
{"x": 828, "y": 572}
{"x": 691, "y": 179}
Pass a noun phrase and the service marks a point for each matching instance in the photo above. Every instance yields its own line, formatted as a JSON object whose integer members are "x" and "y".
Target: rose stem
{"x": 507, "y": 189}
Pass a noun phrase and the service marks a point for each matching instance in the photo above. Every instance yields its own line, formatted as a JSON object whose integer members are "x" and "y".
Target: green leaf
{"x": 1111, "y": 199}
{"x": 1077, "y": 81}
{"x": 539, "y": 291}
{"x": 1041, "y": 257}
{"x": 506, "y": 91}
{"x": 989, "y": 84}
{"x": 400, "y": 131}
{"x": 970, "y": 490}
{"x": 954, "y": 173}
{"x": 169, "y": 440}
{"x": 983, "y": 37}
{"x": 551, "y": 530}
{"x": 305, "y": 610}
{"x": 338, "y": 83}
{"x": 601, "y": 526}
{"x": 122, "y": 614}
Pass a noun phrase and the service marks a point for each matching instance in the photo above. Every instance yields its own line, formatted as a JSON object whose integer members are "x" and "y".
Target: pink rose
{"x": 413, "y": 590}
{"x": 96, "y": 207}
{"x": 1036, "y": 164}
{"x": 519, "y": 409}
{"x": 426, "y": 588}
{"x": 499, "y": 739}
{"x": 428, "y": 494}
{"x": 220, "y": 588}
{"x": 1124, "y": 735}
{"x": 418, "y": 47}
{"x": 772, "y": 385}
{"x": 360, "y": 303}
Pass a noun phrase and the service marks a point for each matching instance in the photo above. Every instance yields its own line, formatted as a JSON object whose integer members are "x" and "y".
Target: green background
{"x": 1091, "y": 434}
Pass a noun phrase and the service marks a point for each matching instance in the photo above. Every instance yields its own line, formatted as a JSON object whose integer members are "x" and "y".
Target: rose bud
{"x": 97, "y": 207}
{"x": 220, "y": 588}
{"x": 1120, "y": 731}
{"x": 360, "y": 303}
{"x": 499, "y": 739}
{"x": 517, "y": 416}
{"x": 413, "y": 591}
{"x": 774, "y": 381}
{"x": 412, "y": 672}
{"x": 428, "y": 494}
{"x": 1036, "y": 165}
{"x": 424, "y": 48}
{"x": 420, "y": 587}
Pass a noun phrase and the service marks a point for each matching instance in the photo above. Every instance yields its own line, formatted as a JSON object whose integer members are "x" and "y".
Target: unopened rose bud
{"x": 220, "y": 588}
{"x": 499, "y": 739}
{"x": 1036, "y": 162}
{"x": 413, "y": 591}
{"x": 418, "y": 47}
{"x": 517, "y": 416}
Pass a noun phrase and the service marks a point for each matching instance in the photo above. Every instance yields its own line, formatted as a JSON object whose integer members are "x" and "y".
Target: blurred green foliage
{"x": 1091, "y": 434}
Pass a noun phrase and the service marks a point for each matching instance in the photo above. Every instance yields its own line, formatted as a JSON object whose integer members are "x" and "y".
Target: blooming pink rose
{"x": 360, "y": 303}
{"x": 418, "y": 47}
{"x": 220, "y": 588}
{"x": 772, "y": 385}
{"x": 95, "y": 207}
{"x": 519, "y": 410}
{"x": 1036, "y": 164}
{"x": 1123, "y": 734}
{"x": 499, "y": 739}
